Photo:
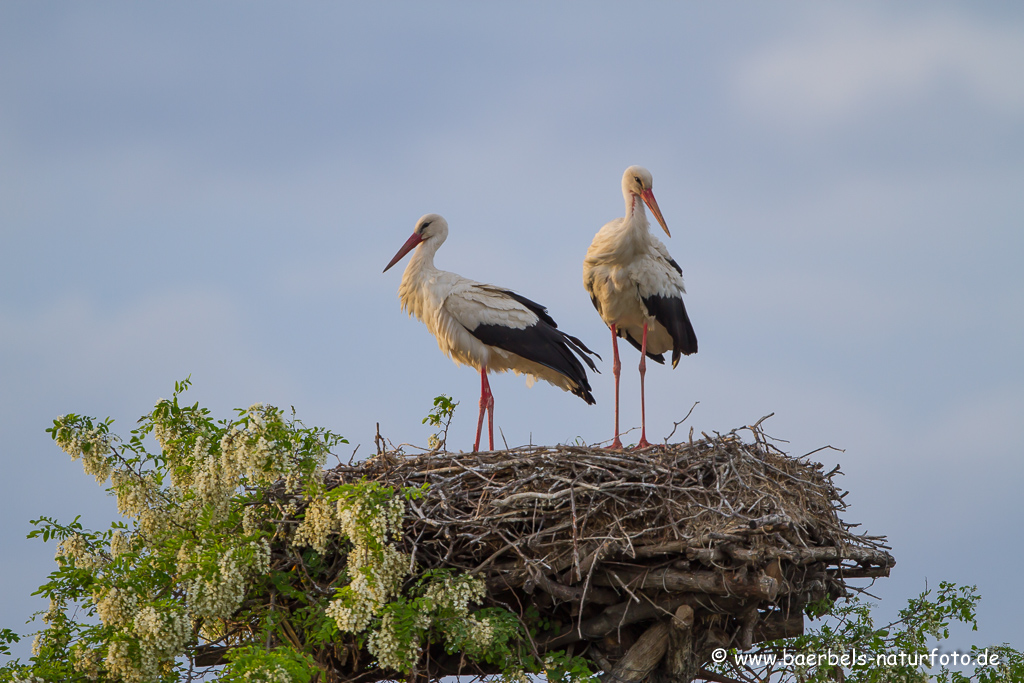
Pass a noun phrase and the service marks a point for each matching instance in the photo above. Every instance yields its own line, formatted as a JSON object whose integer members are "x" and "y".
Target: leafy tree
{"x": 848, "y": 646}
{"x": 191, "y": 574}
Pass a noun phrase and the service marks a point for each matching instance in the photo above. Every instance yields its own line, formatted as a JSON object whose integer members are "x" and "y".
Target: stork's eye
{"x": 424, "y": 226}
{"x": 637, "y": 179}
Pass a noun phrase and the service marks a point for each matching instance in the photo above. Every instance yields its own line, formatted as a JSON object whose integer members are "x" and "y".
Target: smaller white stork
{"x": 637, "y": 288}
{"x": 487, "y": 327}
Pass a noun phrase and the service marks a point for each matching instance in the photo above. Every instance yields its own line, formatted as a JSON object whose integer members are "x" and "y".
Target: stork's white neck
{"x": 636, "y": 213}
{"x": 422, "y": 260}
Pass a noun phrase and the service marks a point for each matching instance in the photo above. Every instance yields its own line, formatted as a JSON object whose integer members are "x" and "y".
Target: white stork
{"x": 637, "y": 288}
{"x": 487, "y": 327}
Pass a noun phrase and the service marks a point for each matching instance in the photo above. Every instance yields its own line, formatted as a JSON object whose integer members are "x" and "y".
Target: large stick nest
{"x": 716, "y": 542}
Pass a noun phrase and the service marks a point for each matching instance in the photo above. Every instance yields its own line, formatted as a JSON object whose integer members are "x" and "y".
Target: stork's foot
{"x": 643, "y": 443}
{"x": 616, "y": 445}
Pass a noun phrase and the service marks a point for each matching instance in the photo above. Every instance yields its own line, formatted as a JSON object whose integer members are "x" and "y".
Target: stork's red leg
{"x": 485, "y": 393}
{"x": 643, "y": 412}
{"x": 616, "y": 366}
{"x": 490, "y": 412}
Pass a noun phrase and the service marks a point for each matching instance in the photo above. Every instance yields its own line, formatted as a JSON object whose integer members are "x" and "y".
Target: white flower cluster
{"x": 91, "y": 446}
{"x": 320, "y": 523}
{"x": 163, "y": 631}
{"x": 264, "y": 674}
{"x": 350, "y": 614}
{"x": 455, "y": 593}
{"x": 137, "y": 497}
{"x": 481, "y": 632}
{"x": 54, "y": 611}
{"x": 351, "y": 518}
{"x": 515, "y": 676}
{"x": 166, "y": 435}
{"x": 115, "y": 606}
{"x": 213, "y": 480}
{"x": 358, "y": 522}
{"x": 120, "y": 664}
{"x": 388, "y": 648}
{"x": 203, "y": 471}
{"x": 376, "y": 575}
{"x": 376, "y": 578}
{"x": 222, "y": 595}
{"x": 119, "y": 544}
{"x": 162, "y": 637}
{"x": 86, "y": 661}
{"x": 553, "y": 666}
{"x": 77, "y": 548}
{"x": 261, "y": 556}
{"x": 252, "y": 519}
{"x": 248, "y": 451}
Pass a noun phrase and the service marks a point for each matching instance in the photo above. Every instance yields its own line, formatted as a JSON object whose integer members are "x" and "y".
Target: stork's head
{"x": 430, "y": 228}
{"x": 637, "y": 182}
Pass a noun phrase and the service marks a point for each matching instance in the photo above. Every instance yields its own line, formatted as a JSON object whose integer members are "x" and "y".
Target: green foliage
{"x": 191, "y": 567}
{"x": 255, "y": 664}
{"x": 440, "y": 416}
{"x": 7, "y": 636}
{"x": 127, "y": 603}
{"x": 850, "y": 647}
{"x": 561, "y": 668}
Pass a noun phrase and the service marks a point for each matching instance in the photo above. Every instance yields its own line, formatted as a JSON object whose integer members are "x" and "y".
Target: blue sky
{"x": 212, "y": 189}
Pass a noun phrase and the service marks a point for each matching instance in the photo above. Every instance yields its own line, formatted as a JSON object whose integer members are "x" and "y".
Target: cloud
{"x": 855, "y": 64}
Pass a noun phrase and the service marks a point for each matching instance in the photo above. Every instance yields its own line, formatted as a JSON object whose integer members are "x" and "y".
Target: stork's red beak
{"x": 652, "y": 204}
{"x": 410, "y": 243}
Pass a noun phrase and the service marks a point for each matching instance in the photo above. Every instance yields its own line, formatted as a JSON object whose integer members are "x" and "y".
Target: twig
{"x": 675, "y": 425}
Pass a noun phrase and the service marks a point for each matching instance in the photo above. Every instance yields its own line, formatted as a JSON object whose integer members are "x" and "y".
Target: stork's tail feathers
{"x": 580, "y": 348}
{"x": 670, "y": 312}
{"x": 684, "y": 339}
{"x": 582, "y": 388}
{"x": 656, "y": 357}
{"x": 545, "y": 344}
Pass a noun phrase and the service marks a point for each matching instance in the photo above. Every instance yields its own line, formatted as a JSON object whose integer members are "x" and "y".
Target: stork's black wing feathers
{"x": 545, "y": 344}
{"x": 670, "y": 311}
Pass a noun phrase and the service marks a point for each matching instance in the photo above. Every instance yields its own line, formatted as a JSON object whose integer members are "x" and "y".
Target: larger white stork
{"x": 487, "y": 327}
{"x": 637, "y": 288}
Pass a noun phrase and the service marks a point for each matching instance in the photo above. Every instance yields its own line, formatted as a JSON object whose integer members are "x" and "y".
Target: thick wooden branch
{"x": 670, "y": 580}
{"x": 641, "y": 659}
{"x": 778, "y": 626}
{"x": 571, "y": 594}
{"x": 722, "y": 554}
{"x": 615, "y": 617}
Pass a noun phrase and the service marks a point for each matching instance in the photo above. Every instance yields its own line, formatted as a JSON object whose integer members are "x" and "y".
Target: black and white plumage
{"x": 490, "y": 328}
{"x": 637, "y": 288}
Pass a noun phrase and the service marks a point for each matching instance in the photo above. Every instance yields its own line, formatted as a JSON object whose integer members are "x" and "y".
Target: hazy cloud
{"x": 853, "y": 61}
